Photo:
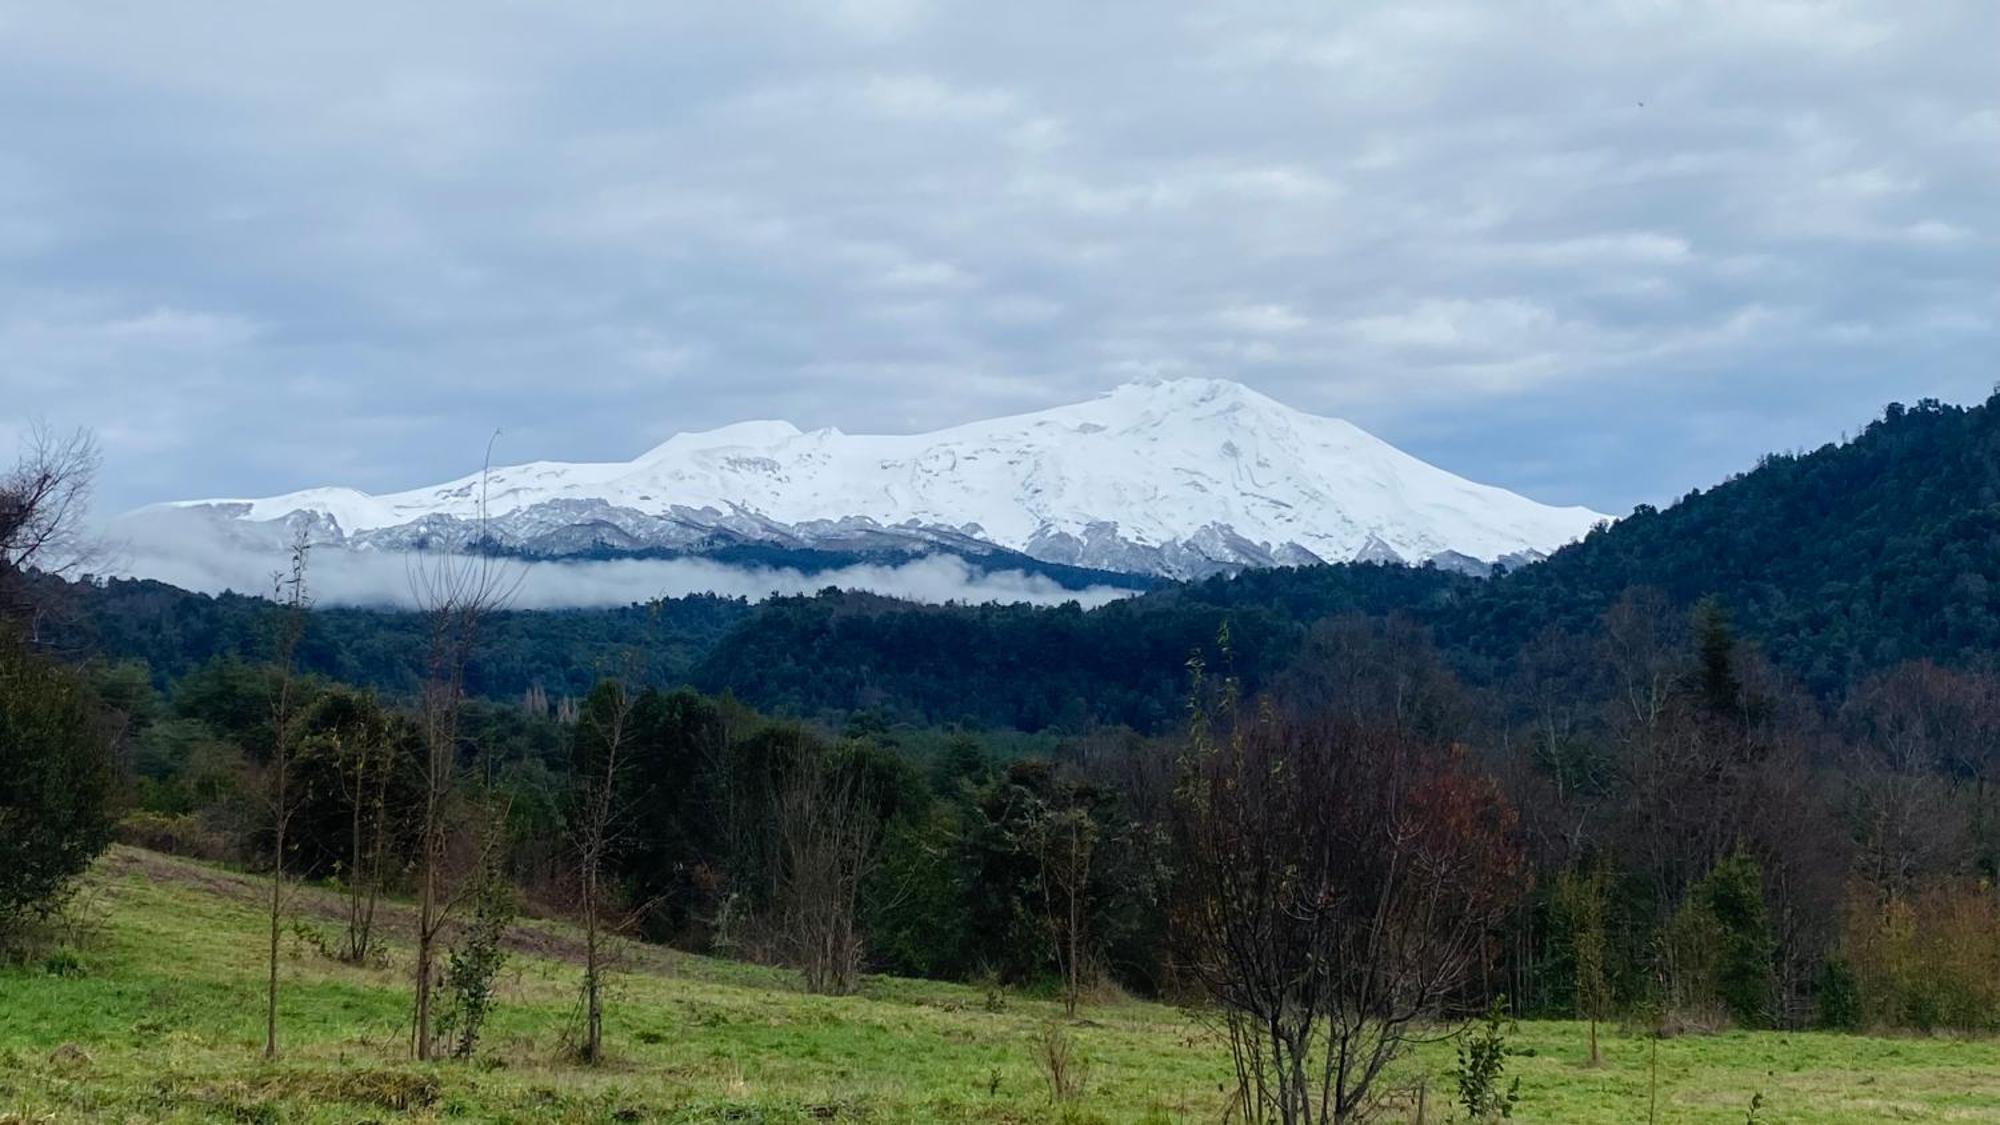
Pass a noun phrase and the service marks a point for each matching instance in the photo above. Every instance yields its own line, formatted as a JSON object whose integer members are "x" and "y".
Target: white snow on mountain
{"x": 1178, "y": 478}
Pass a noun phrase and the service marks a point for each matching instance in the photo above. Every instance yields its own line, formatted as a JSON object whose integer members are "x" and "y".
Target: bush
{"x": 1062, "y": 1067}
{"x": 475, "y": 963}
{"x": 182, "y": 834}
{"x": 1839, "y": 996}
{"x": 1482, "y": 1063}
{"x": 56, "y": 781}
{"x": 1928, "y": 958}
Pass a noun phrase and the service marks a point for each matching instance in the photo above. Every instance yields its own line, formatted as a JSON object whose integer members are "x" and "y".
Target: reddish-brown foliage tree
{"x": 1340, "y": 880}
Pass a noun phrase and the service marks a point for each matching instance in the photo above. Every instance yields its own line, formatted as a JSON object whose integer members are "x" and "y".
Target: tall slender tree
{"x": 601, "y": 761}
{"x": 289, "y": 590}
{"x": 1064, "y": 842}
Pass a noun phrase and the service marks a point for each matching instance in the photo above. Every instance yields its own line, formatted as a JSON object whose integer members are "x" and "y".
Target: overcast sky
{"x": 1599, "y": 252}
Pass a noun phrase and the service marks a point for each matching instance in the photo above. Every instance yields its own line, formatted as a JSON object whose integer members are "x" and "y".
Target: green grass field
{"x": 155, "y": 1014}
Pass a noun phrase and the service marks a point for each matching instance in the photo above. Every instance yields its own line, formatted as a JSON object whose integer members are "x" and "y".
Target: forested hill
{"x": 1839, "y": 561}
{"x": 563, "y": 652}
{"x": 1846, "y": 559}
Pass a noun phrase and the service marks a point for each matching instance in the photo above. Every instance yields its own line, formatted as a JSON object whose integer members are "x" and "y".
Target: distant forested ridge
{"x": 561, "y": 651}
{"x": 1842, "y": 561}
{"x": 1838, "y": 562}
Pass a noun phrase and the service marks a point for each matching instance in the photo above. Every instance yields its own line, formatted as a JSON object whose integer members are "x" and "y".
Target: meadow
{"x": 149, "y": 1007}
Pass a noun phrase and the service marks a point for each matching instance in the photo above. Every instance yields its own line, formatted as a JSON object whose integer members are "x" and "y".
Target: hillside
{"x": 1842, "y": 560}
{"x": 152, "y": 1011}
{"x": 175, "y": 631}
{"x": 1838, "y": 562}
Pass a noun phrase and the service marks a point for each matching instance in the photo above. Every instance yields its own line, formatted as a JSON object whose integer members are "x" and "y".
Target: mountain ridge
{"x": 1173, "y": 478}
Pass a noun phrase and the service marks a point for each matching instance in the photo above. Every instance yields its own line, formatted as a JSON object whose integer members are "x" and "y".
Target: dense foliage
{"x": 56, "y": 779}
{"x": 560, "y": 653}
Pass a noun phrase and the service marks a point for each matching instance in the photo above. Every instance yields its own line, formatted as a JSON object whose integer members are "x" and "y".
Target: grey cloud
{"x": 261, "y": 249}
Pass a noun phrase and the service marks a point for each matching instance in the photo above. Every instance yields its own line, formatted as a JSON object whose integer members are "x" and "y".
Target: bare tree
{"x": 602, "y": 759}
{"x": 1340, "y": 879}
{"x": 365, "y": 761}
{"x": 1064, "y": 842}
{"x": 826, "y": 836}
{"x": 1923, "y": 739}
{"x": 289, "y": 590}
{"x": 455, "y": 590}
{"x": 42, "y": 503}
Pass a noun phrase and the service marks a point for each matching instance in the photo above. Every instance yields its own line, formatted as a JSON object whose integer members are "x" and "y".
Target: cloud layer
{"x": 340, "y": 577}
{"x": 1598, "y": 253}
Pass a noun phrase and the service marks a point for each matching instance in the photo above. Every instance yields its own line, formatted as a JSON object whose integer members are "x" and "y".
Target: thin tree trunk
{"x": 356, "y": 943}
{"x": 426, "y": 931}
{"x": 291, "y": 591}
{"x": 593, "y": 1044}
{"x": 277, "y": 907}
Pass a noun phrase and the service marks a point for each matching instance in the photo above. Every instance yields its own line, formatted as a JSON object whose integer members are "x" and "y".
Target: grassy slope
{"x": 167, "y": 1014}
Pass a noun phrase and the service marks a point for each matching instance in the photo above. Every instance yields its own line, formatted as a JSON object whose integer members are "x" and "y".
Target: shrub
{"x": 1482, "y": 1063}
{"x": 475, "y": 963}
{"x": 56, "y": 782}
{"x": 1064, "y": 1069}
{"x": 1928, "y": 958}
{"x": 175, "y": 834}
{"x": 1839, "y": 995}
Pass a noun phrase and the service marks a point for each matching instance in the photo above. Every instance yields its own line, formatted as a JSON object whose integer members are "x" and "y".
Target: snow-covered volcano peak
{"x": 1176, "y": 477}
{"x": 758, "y": 433}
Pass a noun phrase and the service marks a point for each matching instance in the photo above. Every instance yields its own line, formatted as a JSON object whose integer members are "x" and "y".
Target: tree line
{"x": 1648, "y": 821}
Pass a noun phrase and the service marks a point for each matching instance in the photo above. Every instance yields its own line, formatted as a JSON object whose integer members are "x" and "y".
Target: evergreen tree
{"x": 1733, "y": 896}
{"x": 56, "y": 781}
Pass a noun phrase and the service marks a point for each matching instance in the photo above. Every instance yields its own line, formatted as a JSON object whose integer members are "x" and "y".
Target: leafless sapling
{"x": 602, "y": 759}
{"x": 289, "y": 590}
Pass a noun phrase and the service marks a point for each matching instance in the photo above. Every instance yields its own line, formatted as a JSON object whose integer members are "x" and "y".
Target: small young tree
{"x": 1581, "y": 896}
{"x": 290, "y": 592}
{"x": 1482, "y": 1064}
{"x": 474, "y": 962}
{"x": 1064, "y": 841}
{"x": 601, "y": 760}
{"x": 1733, "y": 895}
{"x": 365, "y": 751}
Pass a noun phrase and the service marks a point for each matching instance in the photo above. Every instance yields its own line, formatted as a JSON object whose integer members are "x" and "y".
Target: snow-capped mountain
{"x": 1176, "y": 478}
